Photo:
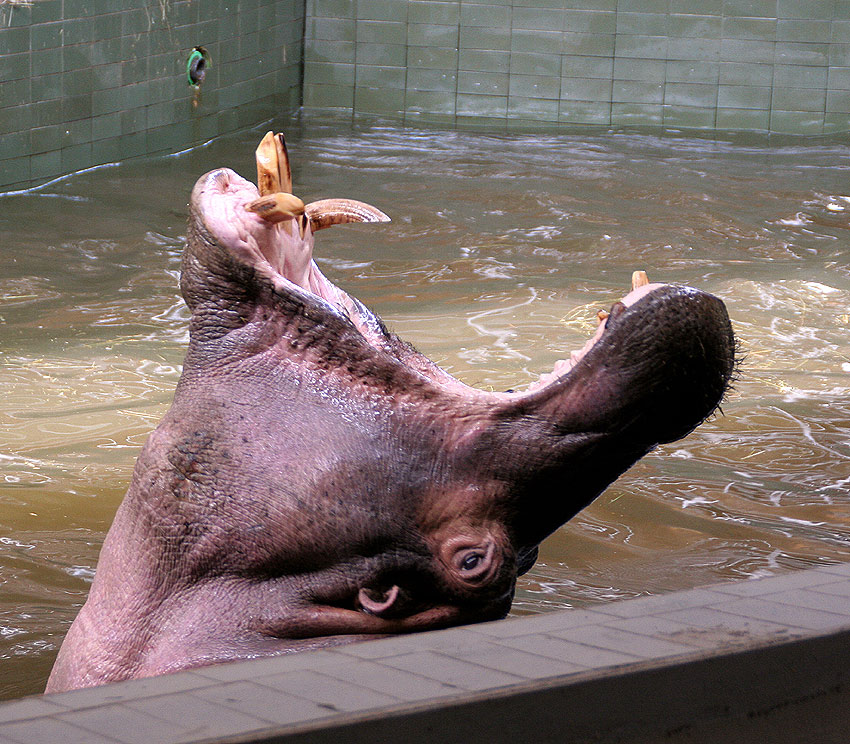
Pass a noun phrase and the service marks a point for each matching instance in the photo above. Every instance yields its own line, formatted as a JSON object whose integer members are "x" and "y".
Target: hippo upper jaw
{"x": 234, "y": 242}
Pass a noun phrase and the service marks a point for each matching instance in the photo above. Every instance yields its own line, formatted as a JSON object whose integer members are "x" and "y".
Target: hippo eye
{"x": 471, "y": 561}
{"x": 474, "y": 563}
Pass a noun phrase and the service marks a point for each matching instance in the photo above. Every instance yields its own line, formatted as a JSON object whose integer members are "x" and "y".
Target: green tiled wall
{"x": 84, "y": 82}
{"x": 767, "y": 65}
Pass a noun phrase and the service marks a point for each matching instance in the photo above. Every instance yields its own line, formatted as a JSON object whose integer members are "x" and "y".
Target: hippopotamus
{"x": 318, "y": 481}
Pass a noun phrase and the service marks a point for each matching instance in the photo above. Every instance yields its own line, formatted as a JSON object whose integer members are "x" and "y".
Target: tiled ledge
{"x": 765, "y": 660}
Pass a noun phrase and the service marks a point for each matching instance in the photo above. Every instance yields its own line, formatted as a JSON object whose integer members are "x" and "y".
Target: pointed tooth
{"x": 283, "y": 169}
{"x": 277, "y": 207}
{"x": 639, "y": 279}
{"x": 327, "y": 212}
{"x": 268, "y": 178}
{"x": 273, "y": 172}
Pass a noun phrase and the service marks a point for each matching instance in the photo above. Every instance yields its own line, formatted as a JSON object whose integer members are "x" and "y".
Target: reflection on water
{"x": 501, "y": 251}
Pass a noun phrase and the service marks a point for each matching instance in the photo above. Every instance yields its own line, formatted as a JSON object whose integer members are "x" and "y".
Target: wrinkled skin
{"x": 318, "y": 481}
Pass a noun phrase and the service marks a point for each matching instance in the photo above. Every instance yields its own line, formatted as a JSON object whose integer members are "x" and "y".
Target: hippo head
{"x": 318, "y": 481}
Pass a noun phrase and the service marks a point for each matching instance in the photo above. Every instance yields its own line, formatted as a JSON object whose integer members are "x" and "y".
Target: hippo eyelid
{"x": 474, "y": 563}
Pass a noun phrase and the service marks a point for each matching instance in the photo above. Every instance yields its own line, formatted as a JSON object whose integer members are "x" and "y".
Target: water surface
{"x": 502, "y": 249}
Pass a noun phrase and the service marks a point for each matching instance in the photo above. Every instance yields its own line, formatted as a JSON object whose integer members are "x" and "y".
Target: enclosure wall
{"x": 765, "y": 65}
{"x": 85, "y": 82}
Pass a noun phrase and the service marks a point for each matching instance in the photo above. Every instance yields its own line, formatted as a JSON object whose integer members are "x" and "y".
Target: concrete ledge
{"x": 763, "y": 660}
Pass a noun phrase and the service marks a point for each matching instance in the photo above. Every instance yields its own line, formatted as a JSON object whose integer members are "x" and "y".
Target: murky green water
{"x": 501, "y": 251}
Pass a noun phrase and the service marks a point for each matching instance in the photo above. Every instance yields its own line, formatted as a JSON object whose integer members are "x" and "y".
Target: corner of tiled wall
{"x": 85, "y": 82}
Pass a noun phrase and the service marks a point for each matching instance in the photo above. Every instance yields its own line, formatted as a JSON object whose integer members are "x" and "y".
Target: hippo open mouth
{"x": 318, "y": 480}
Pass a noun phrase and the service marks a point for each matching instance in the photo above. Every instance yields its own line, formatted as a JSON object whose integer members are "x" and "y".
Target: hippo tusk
{"x": 277, "y": 203}
{"x": 278, "y": 207}
{"x": 639, "y": 279}
{"x": 327, "y": 212}
{"x": 273, "y": 172}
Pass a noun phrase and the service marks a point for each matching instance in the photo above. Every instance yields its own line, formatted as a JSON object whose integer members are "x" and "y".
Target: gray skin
{"x": 317, "y": 481}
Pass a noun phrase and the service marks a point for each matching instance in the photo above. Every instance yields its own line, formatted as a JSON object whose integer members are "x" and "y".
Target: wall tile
{"x": 800, "y": 76}
{"x": 329, "y": 96}
{"x": 488, "y": 106}
{"x": 589, "y": 44}
{"x": 585, "y": 89}
{"x": 585, "y": 112}
{"x": 432, "y": 80}
{"x": 426, "y": 34}
{"x": 484, "y": 60}
{"x": 528, "y": 63}
{"x": 534, "y": 86}
{"x": 394, "y": 55}
{"x": 382, "y": 32}
{"x": 640, "y": 69}
{"x": 426, "y": 11}
{"x": 689, "y": 117}
{"x": 630, "y": 91}
{"x": 589, "y": 21}
{"x": 487, "y": 16}
{"x": 636, "y": 114}
{"x": 536, "y": 109}
{"x": 382, "y": 10}
{"x": 798, "y": 99}
{"x": 587, "y": 67}
{"x": 792, "y": 53}
{"x": 379, "y": 100}
{"x": 697, "y": 7}
{"x": 678, "y": 71}
{"x": 645, "y": 47}
{"x": 690, "y": 95}
{"x": 744, "y": 73}
{"x": 805, "y": 10}
{"x": 429, "y": 102}
{"x": 744, "y": 97}
{"x": 695, "y": 26}
{"x": 483, "y": 83}
{"x": 796, "y": 122}
{"x": 541, "y": 42}
{"x": 760, "y": 29}
{"x": 477, "y": 37}
{"x": 431, "y": 57}
{"x": 742, "y": 119}
{"x": 378, "y": 76}
{"x": 750, "y": 8}
{"x": 838, "y": 101}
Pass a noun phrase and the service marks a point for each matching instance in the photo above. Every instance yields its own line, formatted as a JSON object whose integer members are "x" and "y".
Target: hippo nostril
{"x": 375, "y": 605}
{"x": 220, "y": 179}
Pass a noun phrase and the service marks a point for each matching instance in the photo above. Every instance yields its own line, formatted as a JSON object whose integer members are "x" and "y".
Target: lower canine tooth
{"x": 277, "y": 207}
{"x": 639, "y": 279}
